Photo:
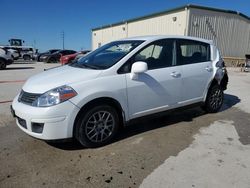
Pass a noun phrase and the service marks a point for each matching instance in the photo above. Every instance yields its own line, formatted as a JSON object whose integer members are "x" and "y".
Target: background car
{"x": 5, "y": 58}
{"x": 82, "y": 54}
{"x": 66, "y": 59}
{"x": 44, "y": 55}
{"x": 14, "y": 54}
{"x": 55, "y": 57}
{"x": 247, "y": 63}
{"x": 27, "y": 53}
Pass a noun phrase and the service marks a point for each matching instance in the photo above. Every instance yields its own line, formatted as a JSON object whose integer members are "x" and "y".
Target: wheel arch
{"x": 211, "y": 84}
{"x": 95, "y": 102}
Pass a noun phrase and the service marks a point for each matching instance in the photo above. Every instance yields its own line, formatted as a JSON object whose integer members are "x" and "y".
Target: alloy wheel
{"x": 216, "y": 99}
{"x": 100, "y": 126}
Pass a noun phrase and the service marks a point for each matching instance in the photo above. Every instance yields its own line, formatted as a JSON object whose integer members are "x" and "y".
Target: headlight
{"x": 55, "y": 96}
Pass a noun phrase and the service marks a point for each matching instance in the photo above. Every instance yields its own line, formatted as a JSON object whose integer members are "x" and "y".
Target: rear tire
{"x": 214, "y": 100}
{"x": 2, "y": 64}
{"x": 26, "y": 58}
{"x": 98, "y": 126}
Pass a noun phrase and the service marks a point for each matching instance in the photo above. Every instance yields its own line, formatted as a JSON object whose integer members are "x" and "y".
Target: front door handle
{"x": 175, "y": 74}
{"x": 209, "y": 69}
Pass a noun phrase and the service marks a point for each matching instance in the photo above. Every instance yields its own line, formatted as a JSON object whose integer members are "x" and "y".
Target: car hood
{"x": 59, "y": 76}
{"x": 44, "y": 55}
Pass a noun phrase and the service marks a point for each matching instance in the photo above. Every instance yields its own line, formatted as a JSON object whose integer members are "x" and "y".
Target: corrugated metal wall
{"x": 105, "y": 35}
{"x": 230, "y": 32}
{"x": 160, "y": 25}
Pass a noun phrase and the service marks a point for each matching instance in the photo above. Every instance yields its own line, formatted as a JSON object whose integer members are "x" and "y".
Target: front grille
{"x": 27, "y": 98}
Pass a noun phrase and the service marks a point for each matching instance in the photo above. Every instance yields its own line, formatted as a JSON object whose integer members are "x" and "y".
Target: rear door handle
{"x": 175, "y": 74}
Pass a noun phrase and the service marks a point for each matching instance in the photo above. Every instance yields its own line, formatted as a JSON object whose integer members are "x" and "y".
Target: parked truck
{"x": 24, "y": 52}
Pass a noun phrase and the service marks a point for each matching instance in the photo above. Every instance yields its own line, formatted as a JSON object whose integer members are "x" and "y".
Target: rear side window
{"x": 189, "y": 52}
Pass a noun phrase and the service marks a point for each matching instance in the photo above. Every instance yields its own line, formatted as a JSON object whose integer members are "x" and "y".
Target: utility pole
{"x": 34, "y": 43}
{"x": 62, "y": 36}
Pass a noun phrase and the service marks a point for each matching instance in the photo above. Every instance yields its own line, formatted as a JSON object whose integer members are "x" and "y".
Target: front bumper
{"x": 64, "y": 61}
{"x": 50, "y": 123}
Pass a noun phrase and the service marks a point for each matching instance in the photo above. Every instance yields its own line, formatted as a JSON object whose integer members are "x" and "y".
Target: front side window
{"x": 107, "y": 55}
{"x": 158, "y": 54}
{"x": 190, "y": 52}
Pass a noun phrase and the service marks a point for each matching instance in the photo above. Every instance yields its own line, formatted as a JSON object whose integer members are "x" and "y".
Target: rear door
{"x": 195, "y": 60}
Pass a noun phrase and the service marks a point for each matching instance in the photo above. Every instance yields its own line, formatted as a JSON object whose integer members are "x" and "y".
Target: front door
{"x": 158, "y": 89}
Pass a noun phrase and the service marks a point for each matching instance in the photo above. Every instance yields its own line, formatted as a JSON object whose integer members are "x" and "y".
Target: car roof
{"x": 158, "y": 37}
{"x": 66, "y": 50}
{"x": 54, "y": 49}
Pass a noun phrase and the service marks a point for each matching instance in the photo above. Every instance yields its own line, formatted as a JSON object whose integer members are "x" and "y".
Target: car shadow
{"x": 18, "y": 68}
{"x": 229, "y": 101}
{"x": 152, "y": 122}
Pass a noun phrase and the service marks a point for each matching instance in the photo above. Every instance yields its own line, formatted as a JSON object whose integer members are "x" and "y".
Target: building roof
{"x": 173, "y": 10}
{"x": 158, "y": 37}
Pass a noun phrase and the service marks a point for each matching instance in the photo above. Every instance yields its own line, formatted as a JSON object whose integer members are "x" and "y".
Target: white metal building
{"x": 230, "y": 30}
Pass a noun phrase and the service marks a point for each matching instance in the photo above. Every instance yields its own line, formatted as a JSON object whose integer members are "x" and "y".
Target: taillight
{"x": 220, "y": 64}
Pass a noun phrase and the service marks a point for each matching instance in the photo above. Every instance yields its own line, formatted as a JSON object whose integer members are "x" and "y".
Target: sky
{"x": 41, "y": 22}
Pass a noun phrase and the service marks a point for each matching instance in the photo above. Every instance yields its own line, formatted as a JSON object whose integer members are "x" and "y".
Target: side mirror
{"x": 138, "y": 68}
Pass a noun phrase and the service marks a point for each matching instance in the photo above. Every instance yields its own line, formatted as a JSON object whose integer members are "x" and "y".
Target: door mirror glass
{"x": 138, "y": 68}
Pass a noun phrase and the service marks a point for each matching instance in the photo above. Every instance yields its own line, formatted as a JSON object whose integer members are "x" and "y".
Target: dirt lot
{"x": 181, "y": 149}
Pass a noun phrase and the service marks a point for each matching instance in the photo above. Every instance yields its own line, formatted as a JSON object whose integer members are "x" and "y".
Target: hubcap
{"x": 100, "y": 126}
{"x": 216, "y": 99}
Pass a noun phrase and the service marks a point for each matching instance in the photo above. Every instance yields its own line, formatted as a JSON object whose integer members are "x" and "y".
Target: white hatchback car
{"x": 123, "y": 80}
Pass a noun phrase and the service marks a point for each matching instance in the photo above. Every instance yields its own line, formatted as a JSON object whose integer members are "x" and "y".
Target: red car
{"x": 66, "y": 59}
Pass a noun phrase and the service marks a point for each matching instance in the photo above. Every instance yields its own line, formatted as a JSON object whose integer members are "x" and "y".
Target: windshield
{"x": 107, "y": 55}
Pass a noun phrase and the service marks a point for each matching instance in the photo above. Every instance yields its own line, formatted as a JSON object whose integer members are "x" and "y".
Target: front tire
{"x": 52, "y": 60}
{"x": 214, "y": 99}
{"x": 98, "y": 126}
